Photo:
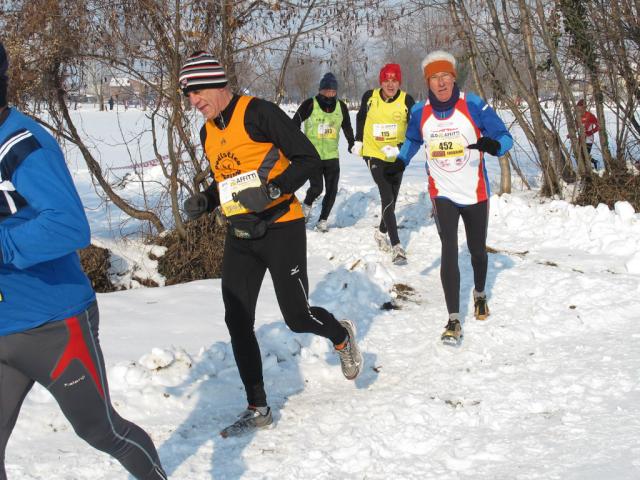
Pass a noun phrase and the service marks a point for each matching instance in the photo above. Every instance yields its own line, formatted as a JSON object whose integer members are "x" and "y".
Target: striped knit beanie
{"x": 201, "y": 70}
{"x": 437, "y": 62}
{"x": 4, "y": 66}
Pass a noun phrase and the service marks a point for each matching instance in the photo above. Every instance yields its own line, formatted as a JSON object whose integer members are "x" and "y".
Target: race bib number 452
{"x": 446, "y": 149}
{"x": 232, "y": 185}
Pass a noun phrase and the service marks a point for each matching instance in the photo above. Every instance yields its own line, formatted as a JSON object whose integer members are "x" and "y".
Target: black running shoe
{"x": 452, "y": 332}
{"x": 481, "y": 310}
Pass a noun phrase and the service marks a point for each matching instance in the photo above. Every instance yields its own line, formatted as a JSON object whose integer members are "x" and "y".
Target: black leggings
{"x": 283, "y": 251}
{"x": 388, "y": 188}
{"x": 65, "y": 357}
{"x": 331, "y": 174}
{"x": 475, "y": 218}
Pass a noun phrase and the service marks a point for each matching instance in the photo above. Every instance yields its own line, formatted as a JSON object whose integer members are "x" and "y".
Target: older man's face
{"x": 390, "y": 85}
{"x": 209, "y": 101}
{"x": 441, "y": 84}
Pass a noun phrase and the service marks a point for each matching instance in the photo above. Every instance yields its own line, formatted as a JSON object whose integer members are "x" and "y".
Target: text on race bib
{"x": 383, "y": 132}
{"x": 326, "y": 130}
{"x": 446, "y": 149}
{"x": 236, "y": 184}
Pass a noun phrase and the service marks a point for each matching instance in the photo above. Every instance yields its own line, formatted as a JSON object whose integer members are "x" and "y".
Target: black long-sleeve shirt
{"x": 361, "y": 117}
{"x": 266, "y": 122}
{"x": 306, "y": 107}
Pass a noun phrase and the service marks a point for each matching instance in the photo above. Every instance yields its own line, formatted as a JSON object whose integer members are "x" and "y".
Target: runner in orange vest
{"x": 259, "y": 159}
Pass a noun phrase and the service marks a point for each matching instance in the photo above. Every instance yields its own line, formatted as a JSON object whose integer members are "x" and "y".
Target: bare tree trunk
{"x": 226, "y": 44}
{"x": 279, "y": 96}
{"x": 96, "y": 171}
{"x": 505, "y": 168}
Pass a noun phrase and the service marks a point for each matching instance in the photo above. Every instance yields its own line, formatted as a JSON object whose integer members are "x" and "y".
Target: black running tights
{"x": 65, "y": 358}
{"x": 475, "y": 218}
{"x": 389, "y": 187}
{"x": 331, "y": 174}
{"x": 282, "y": 251}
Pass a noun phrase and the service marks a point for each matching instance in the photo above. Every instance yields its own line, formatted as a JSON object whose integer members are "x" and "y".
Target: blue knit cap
{"x": 328, "y": 82}
{"x": 4, "y": 66}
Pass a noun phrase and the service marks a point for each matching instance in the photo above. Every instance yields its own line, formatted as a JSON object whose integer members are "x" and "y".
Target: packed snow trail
{"x": 546, "y": 387}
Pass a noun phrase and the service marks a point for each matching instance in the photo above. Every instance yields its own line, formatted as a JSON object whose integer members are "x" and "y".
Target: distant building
{"x": 124, "y": 89}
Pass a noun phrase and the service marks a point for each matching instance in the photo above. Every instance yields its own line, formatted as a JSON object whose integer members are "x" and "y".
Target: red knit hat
{"x": 390, "y": 70}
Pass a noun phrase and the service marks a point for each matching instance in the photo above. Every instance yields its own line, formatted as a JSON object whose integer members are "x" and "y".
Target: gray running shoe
{"x": 382, "y": 239}
{"x": 248, "y": 421}
{"x": 321, "y": 226}
{"x": 306, "y": 210}
{"x": 398, "y": 255}
{"x": 349, "y": 353}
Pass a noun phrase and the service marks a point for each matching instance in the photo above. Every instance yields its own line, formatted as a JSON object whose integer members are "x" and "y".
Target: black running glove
{"x": 254, "y": 198}
{"x": 195, "y": 206}
{"x": 486, "y": 144}
{"x": 394, "y": 168}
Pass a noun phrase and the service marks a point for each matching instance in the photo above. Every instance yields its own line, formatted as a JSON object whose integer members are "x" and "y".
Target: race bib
{"x": 227, "y": 188}
{"x": 326, "y": 130}
{"x": 446, "y": 150}
{"x": 385, "y": 132}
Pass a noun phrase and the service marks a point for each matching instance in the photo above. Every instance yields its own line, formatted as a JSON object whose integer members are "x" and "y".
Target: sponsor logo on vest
{"x": 397, "y": 116}
{"x": 227, "y": 164}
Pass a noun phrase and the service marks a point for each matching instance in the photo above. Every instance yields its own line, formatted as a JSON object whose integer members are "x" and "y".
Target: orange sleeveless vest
{"x": 232, "y": 152}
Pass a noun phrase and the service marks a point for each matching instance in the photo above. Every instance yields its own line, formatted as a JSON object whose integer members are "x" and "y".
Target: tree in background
{"x": 519, "y": 53}
{"x": 58, "y": 45}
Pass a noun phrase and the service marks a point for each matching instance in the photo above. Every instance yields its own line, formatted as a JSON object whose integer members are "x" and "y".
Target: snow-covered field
{"x": 547, "y": 388}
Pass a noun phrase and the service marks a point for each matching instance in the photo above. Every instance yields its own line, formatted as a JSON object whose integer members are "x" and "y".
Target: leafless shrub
{"x": 95, "y": 263}
{"x": 195, "y": 257}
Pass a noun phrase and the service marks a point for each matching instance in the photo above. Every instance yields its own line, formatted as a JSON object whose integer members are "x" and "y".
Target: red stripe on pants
{"x": 76, "y": 349}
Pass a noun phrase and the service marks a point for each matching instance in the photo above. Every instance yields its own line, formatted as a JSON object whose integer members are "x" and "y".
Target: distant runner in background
{"x": 48, "y": 311}
{"x": 259, "y": 158}
{"x": 322, "y": 123}
{"x": 457, "y": 129}
{"x": 591, "y": 127}
{"x": 381, "y": 124}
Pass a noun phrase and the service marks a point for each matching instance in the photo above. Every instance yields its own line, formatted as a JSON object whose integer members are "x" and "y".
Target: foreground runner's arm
{"x": 54, "y": 221}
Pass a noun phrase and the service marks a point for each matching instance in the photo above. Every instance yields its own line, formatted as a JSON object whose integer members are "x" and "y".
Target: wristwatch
{"x": 273, "y": 191}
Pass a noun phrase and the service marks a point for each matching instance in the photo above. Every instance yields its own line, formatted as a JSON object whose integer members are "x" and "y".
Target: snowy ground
{"x": 546, "y": 388}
